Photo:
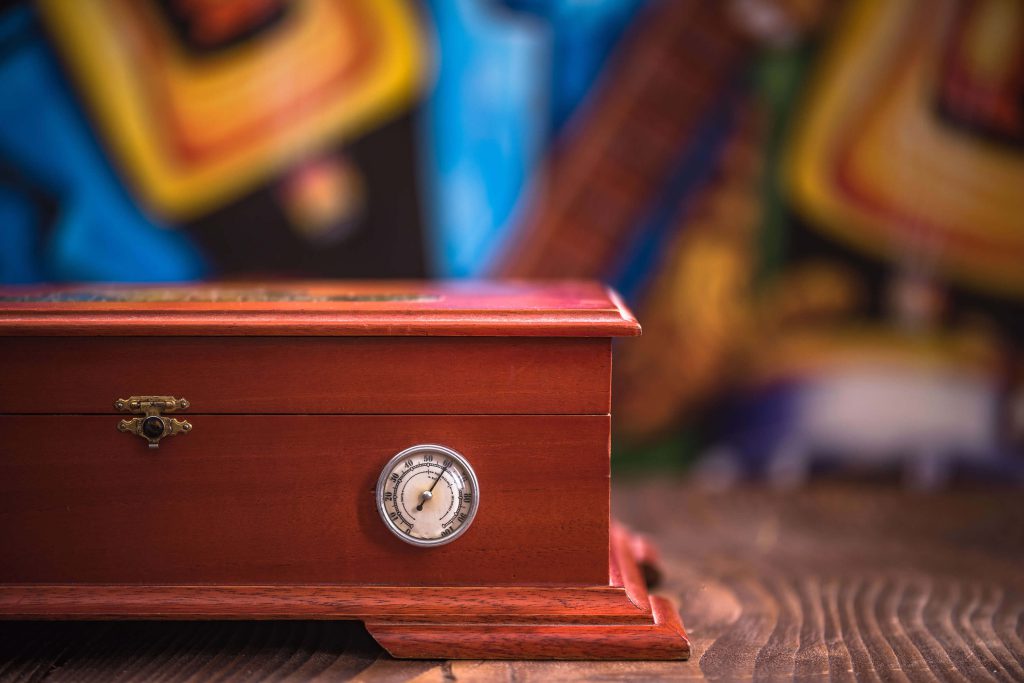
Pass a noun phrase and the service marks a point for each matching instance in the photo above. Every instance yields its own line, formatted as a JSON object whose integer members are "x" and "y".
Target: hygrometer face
{"x": 428, "y": 495}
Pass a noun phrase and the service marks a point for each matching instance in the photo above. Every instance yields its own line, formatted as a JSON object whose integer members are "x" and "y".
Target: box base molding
{"x": 615, "y": 622}
{"x": 659, "y": 637}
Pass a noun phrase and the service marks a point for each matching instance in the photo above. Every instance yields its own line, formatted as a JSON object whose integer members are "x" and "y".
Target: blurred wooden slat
{"x": 838, "y": 582}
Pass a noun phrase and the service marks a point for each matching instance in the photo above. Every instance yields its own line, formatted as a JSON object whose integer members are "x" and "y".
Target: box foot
{"x": 641, "y": 626}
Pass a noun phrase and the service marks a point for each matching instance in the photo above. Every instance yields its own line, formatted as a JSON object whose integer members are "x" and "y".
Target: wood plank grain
{"x": 215, "y": 650}
{"x": 450, "y": 375}
{"x": 842, "y": 582}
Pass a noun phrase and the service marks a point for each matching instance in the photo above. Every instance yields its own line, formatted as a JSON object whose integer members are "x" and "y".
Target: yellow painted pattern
{"x": 152, "y": 100}
{"x": 913, "y": 185}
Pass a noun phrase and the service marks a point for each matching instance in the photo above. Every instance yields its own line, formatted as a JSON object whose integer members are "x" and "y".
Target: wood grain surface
{"x": 837, "y": 582}
{"x": 653, "y": 631}
{"x": 265, "y": 499}
{"x": 316, "y": 375}
{"x": 619, "y": 620}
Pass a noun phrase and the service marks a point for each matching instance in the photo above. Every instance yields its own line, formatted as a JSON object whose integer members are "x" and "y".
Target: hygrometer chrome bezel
{"x": 385, "y": 475}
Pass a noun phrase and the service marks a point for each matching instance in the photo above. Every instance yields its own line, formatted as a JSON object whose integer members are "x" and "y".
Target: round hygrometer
{"x": 428, "y": 495}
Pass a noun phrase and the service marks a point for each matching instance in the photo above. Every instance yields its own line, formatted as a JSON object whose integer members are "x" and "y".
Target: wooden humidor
{"x": 287, "y": 401}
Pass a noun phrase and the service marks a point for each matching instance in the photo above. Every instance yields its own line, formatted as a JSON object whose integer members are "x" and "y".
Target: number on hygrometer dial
{"x": 427, "y": 495}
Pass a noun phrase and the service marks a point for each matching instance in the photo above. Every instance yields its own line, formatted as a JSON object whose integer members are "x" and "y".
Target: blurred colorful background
{"x": 816, "y": 209}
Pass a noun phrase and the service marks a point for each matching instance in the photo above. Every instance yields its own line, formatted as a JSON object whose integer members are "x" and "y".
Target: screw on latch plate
{"x": 153, "y": 426}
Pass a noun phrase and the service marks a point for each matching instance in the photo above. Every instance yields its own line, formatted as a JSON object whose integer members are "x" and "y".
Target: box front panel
{"x": 291, "y": 499}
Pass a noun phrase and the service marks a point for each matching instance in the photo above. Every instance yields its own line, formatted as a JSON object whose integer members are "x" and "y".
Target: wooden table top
{"x": 838, "y": 581}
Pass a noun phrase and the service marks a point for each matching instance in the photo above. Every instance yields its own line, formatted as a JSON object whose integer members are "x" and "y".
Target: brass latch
{"x": 153, "y": 426}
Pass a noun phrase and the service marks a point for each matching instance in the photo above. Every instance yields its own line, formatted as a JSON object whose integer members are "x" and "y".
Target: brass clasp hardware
{"x": 153, "y": 426}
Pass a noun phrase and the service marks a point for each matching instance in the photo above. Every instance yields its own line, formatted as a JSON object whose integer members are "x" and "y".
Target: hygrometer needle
{"x": 428, "y": 494}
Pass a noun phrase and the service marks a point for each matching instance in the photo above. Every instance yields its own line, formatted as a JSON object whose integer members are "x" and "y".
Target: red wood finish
{"x": 660, "y": 637}
{"x": 617, "y": 621}
{"x": 290, "y": 499}
{"x": 652, "y": 631}
{"x": 553, "y": 309}
{"x": 300, "y": 394}
{"x": 362, "y": 375}
{"x": 540, "y": 604}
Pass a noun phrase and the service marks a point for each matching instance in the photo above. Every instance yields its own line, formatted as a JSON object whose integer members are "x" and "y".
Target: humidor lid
{"x": 344, "y": 309}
